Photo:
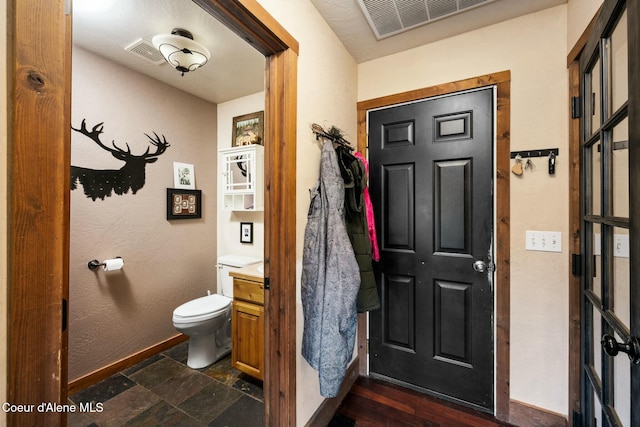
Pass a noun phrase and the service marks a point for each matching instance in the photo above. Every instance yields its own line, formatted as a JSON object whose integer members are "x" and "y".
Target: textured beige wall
{"x": 533, "y": 47}
{"x": 115, "y": 314}
{"x": 3, "y": 209}
{"x": 579, "y": 14}
{"x": 228, "y": 221}
{"x": 326, "y": 95}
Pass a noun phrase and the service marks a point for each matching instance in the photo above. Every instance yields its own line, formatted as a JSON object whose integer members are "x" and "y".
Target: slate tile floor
{"x": 164, "y": 391}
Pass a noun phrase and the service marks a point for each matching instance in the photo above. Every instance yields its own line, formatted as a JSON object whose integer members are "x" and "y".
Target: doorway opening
{"x": 39, "y": 202}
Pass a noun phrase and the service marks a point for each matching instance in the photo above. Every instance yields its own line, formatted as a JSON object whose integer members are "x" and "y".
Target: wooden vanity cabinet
{"x": 247, "y": 324}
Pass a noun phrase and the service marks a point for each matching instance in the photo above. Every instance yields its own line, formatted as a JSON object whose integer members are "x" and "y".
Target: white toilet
{"x": 207, "y": 320}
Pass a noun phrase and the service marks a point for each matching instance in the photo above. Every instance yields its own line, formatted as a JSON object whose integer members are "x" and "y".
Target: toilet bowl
{"x": 207, "y": 320}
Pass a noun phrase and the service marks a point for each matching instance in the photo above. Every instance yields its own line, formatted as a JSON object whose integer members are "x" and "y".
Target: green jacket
{"x": 355, "y": 180}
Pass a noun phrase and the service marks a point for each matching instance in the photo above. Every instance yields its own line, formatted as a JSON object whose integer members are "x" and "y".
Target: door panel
{"x": 431, "y": 185}
{"x": 607, "y": 231}
{"x": 399, "y": 227}
{"x": 452, "y": 307}
{"x": 452, "y": 201}
{"x": 399, "y": 317}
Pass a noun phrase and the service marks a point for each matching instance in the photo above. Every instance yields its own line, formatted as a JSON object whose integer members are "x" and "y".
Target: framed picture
{"x": 248, "y": 129}
{"x": 246, "y": 232}
{"x": 184, "y": 176}
{"x": 184, "y": 204}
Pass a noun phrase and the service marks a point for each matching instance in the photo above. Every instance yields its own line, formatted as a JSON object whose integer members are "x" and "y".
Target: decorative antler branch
{"x": 118, "y": 152}
{"x": 94, "y": 135}
{"x": 160, "y": 145}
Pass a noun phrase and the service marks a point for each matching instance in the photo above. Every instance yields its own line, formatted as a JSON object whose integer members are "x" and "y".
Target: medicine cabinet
{"x": 242, "y": 177}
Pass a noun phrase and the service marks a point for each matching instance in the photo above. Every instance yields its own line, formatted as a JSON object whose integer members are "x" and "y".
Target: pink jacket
{"x": 375, "y": 253}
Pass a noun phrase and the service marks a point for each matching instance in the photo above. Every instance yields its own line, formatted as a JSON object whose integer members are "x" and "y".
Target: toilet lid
{"x": 198, "y": 307}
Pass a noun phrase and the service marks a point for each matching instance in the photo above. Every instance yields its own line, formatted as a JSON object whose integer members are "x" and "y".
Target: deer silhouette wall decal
{"x": 100, "y": 183}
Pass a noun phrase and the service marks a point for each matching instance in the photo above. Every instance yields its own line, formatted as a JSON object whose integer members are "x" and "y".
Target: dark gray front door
{"x": 431, "y": 185}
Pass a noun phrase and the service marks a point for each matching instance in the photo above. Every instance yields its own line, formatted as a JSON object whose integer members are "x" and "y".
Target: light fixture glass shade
{"x": 181, "y": 51}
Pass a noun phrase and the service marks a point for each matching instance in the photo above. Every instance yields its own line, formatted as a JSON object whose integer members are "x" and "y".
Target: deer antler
{"x": 161, "y": 145}
{"x": 118, "y": 152}
{"x": 94, "y": 135}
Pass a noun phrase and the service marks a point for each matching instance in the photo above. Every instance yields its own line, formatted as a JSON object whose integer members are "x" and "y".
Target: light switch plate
{"x": 621, "y": 245}
{"x": 544, "y": 241}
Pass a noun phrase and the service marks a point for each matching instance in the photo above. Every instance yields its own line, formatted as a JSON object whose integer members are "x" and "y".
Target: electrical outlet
{"x": 545, "y": 241}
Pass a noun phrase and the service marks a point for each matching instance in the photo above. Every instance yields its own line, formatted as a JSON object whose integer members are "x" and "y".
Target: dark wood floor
{"x": 374, "y": 403}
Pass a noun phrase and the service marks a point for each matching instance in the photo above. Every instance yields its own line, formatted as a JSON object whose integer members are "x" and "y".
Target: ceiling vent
{"x": 146, "y": 50}
{"x": 390, "y": 17}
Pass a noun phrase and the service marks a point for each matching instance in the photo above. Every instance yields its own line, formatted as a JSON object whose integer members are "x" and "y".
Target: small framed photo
{"x": 184, "y": 204}
{"x": 248, "y": 129}
{"x": 184, "y": 176}
{"x": 246, "y": 232}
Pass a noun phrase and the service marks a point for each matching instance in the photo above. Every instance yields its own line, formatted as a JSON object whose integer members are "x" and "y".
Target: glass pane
{"x": 617, "y": 45}
{"x": 596, "y": 160}
{"x": 597, "y": 264}
{"x": 238, "y": 172}
{"x": 597, "y": 337}
{"x": 621, "y": 281}
{"x": 620, "y": 165}
{"x": 597, "y": 411}
{"x": 622, "y": 386}
{"x": 593, "y": 98}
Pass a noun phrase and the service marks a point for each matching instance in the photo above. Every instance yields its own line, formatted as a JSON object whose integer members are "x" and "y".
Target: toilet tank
{"x": 229, "y": 263}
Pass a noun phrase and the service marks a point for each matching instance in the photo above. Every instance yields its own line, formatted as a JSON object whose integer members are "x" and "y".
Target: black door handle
{"x": 631, "y": 347}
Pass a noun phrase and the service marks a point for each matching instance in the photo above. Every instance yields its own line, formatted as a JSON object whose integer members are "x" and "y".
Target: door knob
{"x": 480, "y": 266}
{"x": 631, "y": 347}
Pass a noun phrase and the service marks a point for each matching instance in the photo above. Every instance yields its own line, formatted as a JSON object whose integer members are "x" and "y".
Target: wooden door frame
{"x": 39, "y": 87}
{"x": 502, "y": 82}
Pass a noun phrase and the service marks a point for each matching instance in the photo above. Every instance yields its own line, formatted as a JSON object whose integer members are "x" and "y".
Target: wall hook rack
{"x": 534, "y": 153}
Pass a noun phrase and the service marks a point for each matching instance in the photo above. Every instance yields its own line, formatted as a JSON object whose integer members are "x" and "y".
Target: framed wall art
{"x": 246, "y": 232}
{"x": 183, "y": 203}
{"x": 184, "y": 176}
{"x": 248, "y": 129}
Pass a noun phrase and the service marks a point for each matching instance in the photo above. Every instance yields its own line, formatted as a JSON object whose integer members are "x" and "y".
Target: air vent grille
{"x": 145, "y": 50}
{"x": 391, "y": 17}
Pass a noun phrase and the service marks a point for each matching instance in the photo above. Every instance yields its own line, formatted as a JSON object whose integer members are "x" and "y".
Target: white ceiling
{"x": 236, "y": 69}
{"x": 348, "y": 21}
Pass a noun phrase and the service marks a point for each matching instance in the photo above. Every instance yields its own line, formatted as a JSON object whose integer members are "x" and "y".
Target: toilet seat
{"x": 199, "y": 309}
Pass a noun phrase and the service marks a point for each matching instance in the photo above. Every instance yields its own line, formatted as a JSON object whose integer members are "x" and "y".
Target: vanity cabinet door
{"x": 247, "y": 330}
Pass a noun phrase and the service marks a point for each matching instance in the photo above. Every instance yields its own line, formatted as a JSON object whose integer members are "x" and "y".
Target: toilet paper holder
{"x": 94, "y": 263}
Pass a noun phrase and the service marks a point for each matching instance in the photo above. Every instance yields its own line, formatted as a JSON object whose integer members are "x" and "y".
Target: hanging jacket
{"x": 371, "y": 222}
{"x": 330, "y": 280}
{"x": 355, "y": 181}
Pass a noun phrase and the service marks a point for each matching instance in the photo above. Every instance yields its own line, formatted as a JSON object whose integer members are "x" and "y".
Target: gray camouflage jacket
{"x": 330, "y": 280}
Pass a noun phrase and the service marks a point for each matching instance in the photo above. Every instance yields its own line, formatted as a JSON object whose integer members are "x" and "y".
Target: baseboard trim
{"x": 328, "y": 408}
{"x": 103, "y": 373}
{"x": 525, "y": 415}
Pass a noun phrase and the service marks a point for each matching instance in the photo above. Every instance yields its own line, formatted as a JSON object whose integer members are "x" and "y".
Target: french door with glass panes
{"x": 610, "y": 297}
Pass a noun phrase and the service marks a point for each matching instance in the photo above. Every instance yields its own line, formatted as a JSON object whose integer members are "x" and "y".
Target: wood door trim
{"x": 38, "y": 206}
{"x": 38, "y": 50}
{"x": 249, "y": 20}
{"x": 502, "y": 81}
{"x": 574, "y": 246}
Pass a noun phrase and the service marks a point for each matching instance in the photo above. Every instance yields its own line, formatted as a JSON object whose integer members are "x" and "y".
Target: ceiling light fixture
{"x": 181, "y": 51}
